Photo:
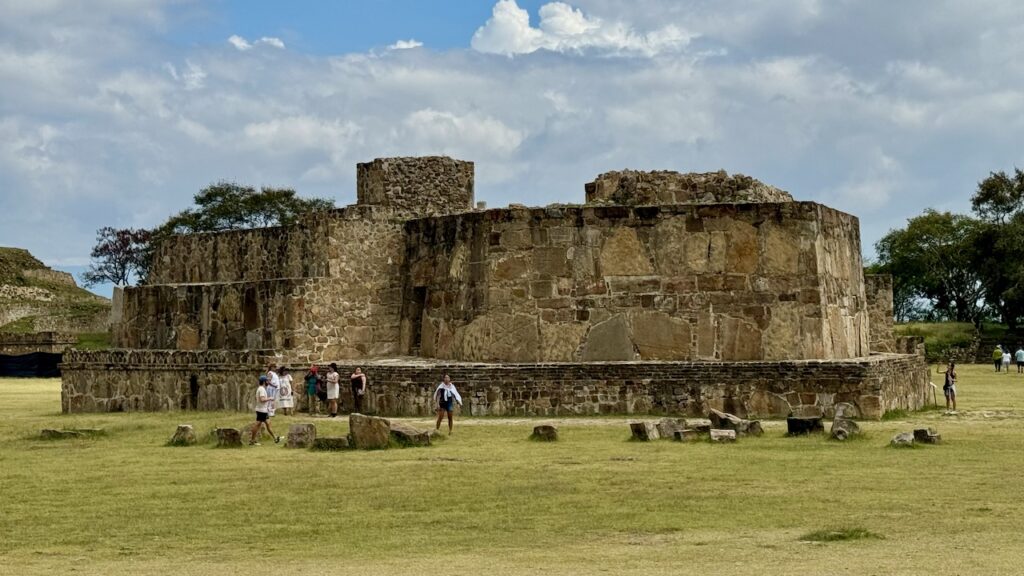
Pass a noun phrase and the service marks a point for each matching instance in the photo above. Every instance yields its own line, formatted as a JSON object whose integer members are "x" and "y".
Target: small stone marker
{"x": 927, "y": 436}
{"x": 301, "y": 436}
{"x": 331, "y": 443}
{"x": 644, "y": 431}
{"x": 185, "y": 435}
{"x": 545, "y": 433}
{"x": 687, "y": 435}
{"x": 228, "y": 437}
{"x": 369, "y": 432}
{"x": 802, "y": 425}
{"x": 723, "y": 435}
{"x": 844, "y": 428}
{"x": 902, "y": 440}
{"x": 667, "y": 427}
{"x": 701, "y": 425}
{"x": 408, "y": 436}
{"x": 723, "y": 421}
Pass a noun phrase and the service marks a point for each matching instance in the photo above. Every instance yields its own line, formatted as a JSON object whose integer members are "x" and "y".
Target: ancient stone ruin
{"x": 665, "y": 293}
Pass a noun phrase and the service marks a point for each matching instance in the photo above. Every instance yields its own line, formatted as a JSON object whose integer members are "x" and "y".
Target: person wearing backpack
{"x": 358, "y": 380}
{"x": 446, "y": 395}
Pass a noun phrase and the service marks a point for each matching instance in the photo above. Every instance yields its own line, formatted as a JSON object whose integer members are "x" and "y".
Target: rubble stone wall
{"x": 417, "y": 186}
{"x": 14, "y": 344}
{"x": 878, "y": 289}
{"x": 633, "y": 187}
{"x": 604, "y": 283}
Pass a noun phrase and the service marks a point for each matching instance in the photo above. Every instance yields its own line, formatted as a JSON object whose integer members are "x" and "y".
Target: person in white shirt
{"x": 333, "y": 390}
{"x": 263, "y": 402}
{"x": 1006, "y": 361}
{"x": 446, "y": 395}
{"x": 285, "y": 395}
{"x": 273, "y": 385}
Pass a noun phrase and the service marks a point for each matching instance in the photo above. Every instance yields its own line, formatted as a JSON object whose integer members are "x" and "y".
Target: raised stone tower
{"x": 416, "y": 186}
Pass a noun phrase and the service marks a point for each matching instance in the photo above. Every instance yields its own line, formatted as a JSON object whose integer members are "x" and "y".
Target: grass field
{"x": 488, "y": 501}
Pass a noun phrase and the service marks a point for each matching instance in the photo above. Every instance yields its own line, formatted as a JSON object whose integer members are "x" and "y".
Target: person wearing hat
{"x": 263, "y": 403}
{"x": 312, "y": 378}
{"x": 333, "y": 390}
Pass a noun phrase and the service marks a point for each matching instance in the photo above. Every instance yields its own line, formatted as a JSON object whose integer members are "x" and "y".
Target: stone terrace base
{"x": 155, "y": 380}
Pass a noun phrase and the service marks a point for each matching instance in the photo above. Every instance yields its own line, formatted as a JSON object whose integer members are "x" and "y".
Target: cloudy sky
{"x": 115, "y": 112}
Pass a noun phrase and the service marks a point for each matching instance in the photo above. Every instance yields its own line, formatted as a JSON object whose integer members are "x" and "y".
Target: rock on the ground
{"x": 701, "y": 425}
{"x": 846, "y": 410}
{"x": 545, "y": 433}
{"x": 801, "y": 425}
{"x": 185, "y": 435}
{"x": 902, "y": 440}
{"x": 806, "y": 411}
{"x": 228, "y": 437}
{"x": 667, "y": 427}
{"x": 301, "y": 436}
{"x": 52, "y": 434}
{"x": 927, "y": 436}
{"x": 687, "y": 435}
{"x": 844, "y": 428}
{"x": 409, "y": 436}
{"x": 643, "y": 431}
{"x": 723, "y": 435}
{"x": 330, "y": 443}
{"x": 369, "y": 432}
{"x": 723, "y": 421}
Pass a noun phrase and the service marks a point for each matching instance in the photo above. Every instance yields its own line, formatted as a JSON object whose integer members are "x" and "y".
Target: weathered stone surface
{"x": 807, "y": 411}
{"x": 644, "y": 431}
{"x": 845, "y": 410}
{"x": 668, "y": 187}
{"x": 331, "y": 443}
{"x": 301, "y": 436}
{"x": 687, "y": 435}
{"x": 724, "y": 421}
{"x": 844, "y": 428}
{"x": 927, "y": 436}
{"x": 184, "y": 435}
{"x": 52, "y": 434}
{"x": 801, "y": 425}
{"x": 658, "y": 336}
{"x": 545, "y": 433}
{"x": 609, "y": 340}
{"x": 624, "y": 255}
{"x": 667, "y": 427}
{"x": 407, "y": 435}
{"x": 369, "y": 432}
{"x": 723, "y": 435}
{"x": 902, "y": 440}
{"x": 701, "y": 425}
{"x": 228, "y": 437}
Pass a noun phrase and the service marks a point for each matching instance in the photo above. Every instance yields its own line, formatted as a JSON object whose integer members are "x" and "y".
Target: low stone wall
{"x": 51, "y": 342}
{"x": 165, "y": 380}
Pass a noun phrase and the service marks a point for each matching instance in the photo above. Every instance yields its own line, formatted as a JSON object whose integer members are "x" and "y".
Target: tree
{"x": 999, "y": 197}
{"x": 118, "y": 256}
{"x": 934, "y": 258}
{"x": 999, "y": 202}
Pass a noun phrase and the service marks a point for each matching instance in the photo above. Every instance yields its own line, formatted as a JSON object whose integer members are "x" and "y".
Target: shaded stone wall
{"x": 632, "y": 187}
{"x": 416, "y": 186}
{"x": 598, "y": 283}
{"x": 878, "y": 290}
{"x": 52, "y": 342}
{"x": 162, "y": 381}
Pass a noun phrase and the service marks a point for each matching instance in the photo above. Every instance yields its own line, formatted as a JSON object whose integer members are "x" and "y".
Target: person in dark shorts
{"x": 358, "y": 380}
{"x": 263, "y": 402}
{"x": 312, "y": 381}
{"x": 949, "y": 388}
{"x": 446, "y": 395}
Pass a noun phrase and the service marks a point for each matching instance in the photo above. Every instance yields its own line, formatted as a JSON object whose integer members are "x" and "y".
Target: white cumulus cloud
{"x": 243, "y": 44}
{"x": 405, "y": 44}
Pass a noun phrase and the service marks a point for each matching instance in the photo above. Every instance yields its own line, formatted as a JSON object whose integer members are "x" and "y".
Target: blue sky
{"x": 115, "y": 112}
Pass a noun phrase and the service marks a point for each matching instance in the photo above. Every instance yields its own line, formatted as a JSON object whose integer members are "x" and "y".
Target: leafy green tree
{"x": 999, "y": 247}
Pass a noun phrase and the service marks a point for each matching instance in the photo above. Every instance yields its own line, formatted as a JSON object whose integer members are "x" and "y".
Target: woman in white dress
{"x": 286, "y": 398}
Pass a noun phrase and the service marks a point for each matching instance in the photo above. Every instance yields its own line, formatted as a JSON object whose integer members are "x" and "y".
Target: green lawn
{"x": 489, "y": 501}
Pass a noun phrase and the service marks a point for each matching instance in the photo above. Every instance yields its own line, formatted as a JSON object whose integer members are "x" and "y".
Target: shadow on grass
{"x": 840, "y": 535}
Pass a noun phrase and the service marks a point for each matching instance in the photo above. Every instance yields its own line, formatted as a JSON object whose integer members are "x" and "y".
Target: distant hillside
{"x": 34, "y": 298}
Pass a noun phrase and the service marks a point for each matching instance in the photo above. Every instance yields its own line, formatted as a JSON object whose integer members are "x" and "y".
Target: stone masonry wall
{"x": 169, "y": 381}
{"x": 633, "y": 187}
{"x": 601, "y": 283}
{"x": 878, "y": 290}
{"x": 418, "y": 186}
{"x": 15, "y": 344}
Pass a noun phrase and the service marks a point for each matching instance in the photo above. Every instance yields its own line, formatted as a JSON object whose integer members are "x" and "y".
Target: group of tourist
{"x": 1001, "y": 357}
{"x": 275, "y": 391}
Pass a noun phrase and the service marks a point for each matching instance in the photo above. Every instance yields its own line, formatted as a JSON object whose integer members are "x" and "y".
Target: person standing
{"x": 1006, "y": 361}
{"x": 358, "y": 380}
{"x": 273, "y": 386}
{"x": 1020, "y": 359}
{"x": 312, "y": 382}
{"x": 286, "y": 394}
{"x": 333, "y": 390}
{"x": 997, "y": 357}
{"x": 446, "y": 395}
{"x": 263, "y": 403}
{"x": 949, "y": 388}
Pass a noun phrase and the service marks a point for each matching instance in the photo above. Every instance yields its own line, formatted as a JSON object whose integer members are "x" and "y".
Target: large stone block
{"x": 369, "y": 432}
{"x": 608, "y": 340}
{"x": 658, "y": 336}
{"x": 301, "y": 436}
{"x": 624, "y": 255}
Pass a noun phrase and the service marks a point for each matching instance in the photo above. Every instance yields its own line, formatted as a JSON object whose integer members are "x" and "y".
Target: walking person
{"x": 358, "y": 380}
{"x": 286, "y": 394}
{"x": 949, "y": 388}
{"x": 263, "y": 403}
{"x": 446, "y": 395}
{"x": 1020, "y": 359}
{"x": 333, "y": 390}
{"x": 312, "y": 385}
{"x": 1006, "y": 361}
{"x": 997, "y": 357}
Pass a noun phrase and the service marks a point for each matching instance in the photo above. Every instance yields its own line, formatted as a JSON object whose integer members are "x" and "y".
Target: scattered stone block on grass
{"x": 369, "y": 432}
{"x": 228, "y": 437}
{"x": 723, "y": 421}
{"x": 927, "y": 436}
{"x": 644, "y": 431}
{"x": 803, "y": 425}
{"x": 301, "y": 436}
{"x": 409, "y": 436}
{"x": 545, "y": 433}
{"x": 701, "y": 425}
{"x": 902, "y": 440}
{"x": 64, "y": 434}
{"x": 723, "y": 435}
{"x": 331, "y": 443}
{"x": 687, "y": 435}
{"x": 846, "y": 410}
{"x": 667, "y": 427}
{"x": 844, "y": 428}
{"x": 807, "y": 411}
{"x": 185, "y": 435}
